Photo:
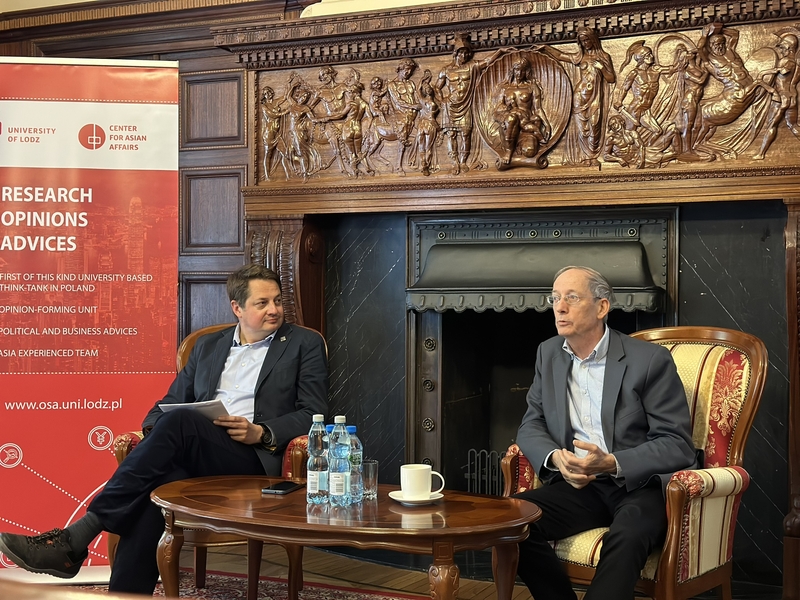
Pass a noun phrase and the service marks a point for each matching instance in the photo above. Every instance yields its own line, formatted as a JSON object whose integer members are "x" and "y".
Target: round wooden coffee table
{"x": 457, "y": 522}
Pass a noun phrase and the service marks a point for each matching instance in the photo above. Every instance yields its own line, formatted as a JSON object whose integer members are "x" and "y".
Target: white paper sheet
{"x": 210, "y": 409}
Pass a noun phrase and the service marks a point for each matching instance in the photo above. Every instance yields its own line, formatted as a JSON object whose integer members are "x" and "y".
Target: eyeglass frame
{"x": 553, "y": 300}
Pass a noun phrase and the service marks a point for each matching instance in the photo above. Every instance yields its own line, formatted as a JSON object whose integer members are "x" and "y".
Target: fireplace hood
{"x": 497, "y": 263}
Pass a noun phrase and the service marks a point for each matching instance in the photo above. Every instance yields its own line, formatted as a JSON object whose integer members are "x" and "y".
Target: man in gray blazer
{"x": 272, "y": 378}
{"x": 607, "y": 423}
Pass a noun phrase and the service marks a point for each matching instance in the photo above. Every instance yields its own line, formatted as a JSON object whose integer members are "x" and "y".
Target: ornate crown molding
{"x": 378, "y": 36}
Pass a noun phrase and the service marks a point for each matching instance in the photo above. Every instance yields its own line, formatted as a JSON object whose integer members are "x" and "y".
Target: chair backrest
{"x": 189, "y": 341}
{"x": 185, "y": 349}
{"x": 723, "y": 372}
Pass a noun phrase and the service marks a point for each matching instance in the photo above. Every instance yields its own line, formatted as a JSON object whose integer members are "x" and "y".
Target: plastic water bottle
{"x": 356, "y": 457}
{"x": 317, "y": 476}
{"x": 328, "y": 429}
{"x": 339, "y": 463}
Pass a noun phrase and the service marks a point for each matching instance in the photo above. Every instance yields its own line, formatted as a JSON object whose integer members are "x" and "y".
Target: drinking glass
{"x": 369, "y": 470}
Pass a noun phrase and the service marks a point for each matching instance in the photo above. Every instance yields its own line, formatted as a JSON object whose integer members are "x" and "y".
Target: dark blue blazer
{"x": 292, "y": 385}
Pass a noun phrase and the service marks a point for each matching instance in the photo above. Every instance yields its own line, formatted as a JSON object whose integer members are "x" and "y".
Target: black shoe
{"x": 48, "y": 553}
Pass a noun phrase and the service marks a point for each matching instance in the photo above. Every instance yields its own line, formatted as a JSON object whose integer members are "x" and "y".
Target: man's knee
{"x": 180, "y": 421}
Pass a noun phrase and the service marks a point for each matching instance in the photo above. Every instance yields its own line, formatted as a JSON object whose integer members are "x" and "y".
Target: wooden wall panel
{"x": 212, "y": 215}
{"x": 214, "y": 112}
{"x": 204, "y": 301}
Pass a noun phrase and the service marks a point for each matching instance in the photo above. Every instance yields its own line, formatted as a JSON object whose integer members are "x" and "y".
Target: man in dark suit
{"x": 607, "y": 423}
{"x": 272, "y": 377}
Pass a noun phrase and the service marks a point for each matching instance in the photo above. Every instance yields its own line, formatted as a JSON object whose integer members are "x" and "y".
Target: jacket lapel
{"x": 561, "y": 365}
{"x": 612, "y": 383}
{"x": 276, "y": 349}
{"x": 220, "y": 356}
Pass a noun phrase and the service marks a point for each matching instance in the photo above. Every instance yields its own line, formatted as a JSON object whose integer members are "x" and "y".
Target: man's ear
{"x": 236, "y": 309}
{"x": 604, "y": 307}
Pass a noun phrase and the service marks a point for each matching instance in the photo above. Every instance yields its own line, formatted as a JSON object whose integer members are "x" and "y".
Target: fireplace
{"x": 477, "y": 290}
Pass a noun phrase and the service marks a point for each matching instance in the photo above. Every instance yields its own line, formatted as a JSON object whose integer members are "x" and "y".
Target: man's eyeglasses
{"x": 571, "y": 299}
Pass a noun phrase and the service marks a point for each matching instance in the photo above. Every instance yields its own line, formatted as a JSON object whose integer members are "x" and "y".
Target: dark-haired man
{"x": 272, "y": 377}
{"x": 607, "y": 424}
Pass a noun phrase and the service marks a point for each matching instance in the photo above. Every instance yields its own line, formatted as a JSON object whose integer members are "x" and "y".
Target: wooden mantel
{"x": 642, "y": 188}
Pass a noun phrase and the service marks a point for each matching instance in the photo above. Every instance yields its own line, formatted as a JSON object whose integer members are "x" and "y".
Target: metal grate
{"x": 483, "y": 472}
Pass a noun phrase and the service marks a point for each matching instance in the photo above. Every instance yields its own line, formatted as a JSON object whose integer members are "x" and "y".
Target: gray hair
{"x": 599, "y": 286}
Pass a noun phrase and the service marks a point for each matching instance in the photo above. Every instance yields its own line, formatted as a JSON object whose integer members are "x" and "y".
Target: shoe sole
{"x": 23, "y": 565}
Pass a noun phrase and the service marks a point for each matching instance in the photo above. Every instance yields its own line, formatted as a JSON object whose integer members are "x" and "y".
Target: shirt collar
{"x": 600, "y": 350}
{"x": 267, "y": 340}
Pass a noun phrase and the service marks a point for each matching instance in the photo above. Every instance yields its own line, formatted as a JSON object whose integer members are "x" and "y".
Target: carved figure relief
{"x": 593, "y": 75}
{"x": 676, "y": 99}
{"x": 457, "y": 83}
{"x": 717, "y": 50}
{"x": 271, "y": 113}
{"x": 787, "y": 77}
{"x": 517, "y": 111}
{"x": 518, "y": 120}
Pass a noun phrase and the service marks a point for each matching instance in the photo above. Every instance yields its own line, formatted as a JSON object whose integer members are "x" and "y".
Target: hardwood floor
{"x": 335, "y": 569}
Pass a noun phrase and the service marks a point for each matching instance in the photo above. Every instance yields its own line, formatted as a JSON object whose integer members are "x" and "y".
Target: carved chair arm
{"x": 125, "y": 442}
{"x": 702, "y": 505}
{"x": 518, "y": 474}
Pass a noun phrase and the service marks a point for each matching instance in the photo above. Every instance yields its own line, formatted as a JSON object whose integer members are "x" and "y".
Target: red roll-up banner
{"x": 88, "y": 275}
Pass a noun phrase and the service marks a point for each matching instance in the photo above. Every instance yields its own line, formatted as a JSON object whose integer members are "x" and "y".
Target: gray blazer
{"x": 645, "y": 416}
{"x": 292, "y": 385}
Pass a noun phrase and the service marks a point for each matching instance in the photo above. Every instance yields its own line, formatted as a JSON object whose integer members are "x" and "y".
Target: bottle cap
{"x": 319, "y": 418}
{"x": 340, "y": 419}
{"x": 351, "y": 429}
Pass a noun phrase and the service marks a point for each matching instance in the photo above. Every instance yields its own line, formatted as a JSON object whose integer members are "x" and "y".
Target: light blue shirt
{"x": 585, "y": 396}
{"x": 237, "y": 385}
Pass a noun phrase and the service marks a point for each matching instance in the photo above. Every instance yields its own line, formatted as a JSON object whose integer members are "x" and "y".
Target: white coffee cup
{"x": 415, "y": 482}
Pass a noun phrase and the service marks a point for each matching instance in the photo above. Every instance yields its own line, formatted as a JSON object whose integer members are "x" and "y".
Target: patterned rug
{"x": 222, "y": 586}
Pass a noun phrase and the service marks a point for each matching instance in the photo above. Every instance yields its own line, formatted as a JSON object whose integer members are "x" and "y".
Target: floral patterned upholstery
{"x": 723, "y": 373}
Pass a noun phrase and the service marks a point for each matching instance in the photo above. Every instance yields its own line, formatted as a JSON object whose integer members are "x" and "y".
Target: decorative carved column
{"x": 791, "y": 524}
{"x": 294, "y": 249}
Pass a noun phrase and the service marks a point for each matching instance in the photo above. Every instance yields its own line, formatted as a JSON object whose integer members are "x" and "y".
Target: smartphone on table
{"x": 282, "y": 487}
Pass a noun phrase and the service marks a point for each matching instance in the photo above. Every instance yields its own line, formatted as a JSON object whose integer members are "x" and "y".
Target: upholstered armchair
{"x": 723, "y": 373}
{"x": 294, "y": 467}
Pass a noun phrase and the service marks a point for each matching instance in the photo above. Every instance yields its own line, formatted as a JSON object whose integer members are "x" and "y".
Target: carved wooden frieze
{"x": 700, "y": 101}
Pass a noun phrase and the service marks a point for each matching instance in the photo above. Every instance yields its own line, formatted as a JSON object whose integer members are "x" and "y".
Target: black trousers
{"x": 637, "y": 522}
{"x": 182, "y": 444}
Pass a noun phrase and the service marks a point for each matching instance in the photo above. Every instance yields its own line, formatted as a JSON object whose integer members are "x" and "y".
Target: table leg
{"x": 168, "y": 555}
{"x": 443, "y": 574}
{"x": 505, "y": 559}
{"x": 254, "y": 549}
{"x": 295, "y": 554}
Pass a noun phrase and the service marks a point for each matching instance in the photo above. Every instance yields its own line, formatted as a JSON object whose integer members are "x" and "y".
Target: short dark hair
{"x": 239, "y": 281}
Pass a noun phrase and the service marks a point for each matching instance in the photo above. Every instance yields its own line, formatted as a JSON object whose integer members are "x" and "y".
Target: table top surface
{"x": 238, "y": 499}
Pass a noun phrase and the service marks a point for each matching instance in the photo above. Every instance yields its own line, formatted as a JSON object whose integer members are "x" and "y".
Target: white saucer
{"x": 398, "y": 496}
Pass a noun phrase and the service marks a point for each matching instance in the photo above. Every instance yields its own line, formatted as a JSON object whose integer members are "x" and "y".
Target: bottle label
{"x": 312, "y": 482}
{"x": 339, "y": 483}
